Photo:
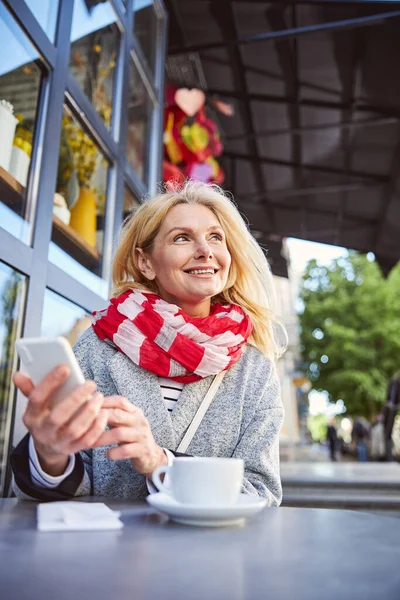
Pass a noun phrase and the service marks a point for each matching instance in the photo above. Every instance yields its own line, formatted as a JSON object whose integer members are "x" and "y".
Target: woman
{"x": 191, "y": 299}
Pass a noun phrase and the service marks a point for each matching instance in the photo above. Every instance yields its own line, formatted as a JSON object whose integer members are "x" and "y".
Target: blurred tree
{"x": 316, "y": 425}
{"x": 10, "y": 304}
{"x": 350, "y": 331}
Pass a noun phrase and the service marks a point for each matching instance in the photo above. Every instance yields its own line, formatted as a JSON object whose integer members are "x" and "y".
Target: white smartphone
{"x": 41, "y": 355}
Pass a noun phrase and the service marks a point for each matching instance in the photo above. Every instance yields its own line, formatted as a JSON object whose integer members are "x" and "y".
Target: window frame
{"x": 59, "y": 86}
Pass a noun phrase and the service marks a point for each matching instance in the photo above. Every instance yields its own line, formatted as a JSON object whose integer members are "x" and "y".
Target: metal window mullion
{"x": 70, "y": 288}
{"x": 157, "y": 120}
{"x": 160, "y": 9}
{"x": 15, "y": 253}
{"x": 48, "y": 140}
{"x": 131, "y": 178}
{"x": 120, "y": 11}
{"x": 88, "y": 117}
{"x": 90, "y": 120}
{"x": 115, "y": 173}
{"x": 144, "y": 70}
{"x": 26, "y": 19}
{"x": 120, "y": 83}
{"x": 115, "y": 187}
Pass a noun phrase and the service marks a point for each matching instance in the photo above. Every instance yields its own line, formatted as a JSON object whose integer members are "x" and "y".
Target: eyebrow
{"x": 190, "y": 230}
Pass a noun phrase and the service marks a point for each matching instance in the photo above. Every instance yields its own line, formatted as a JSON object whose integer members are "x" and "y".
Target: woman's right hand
{"x": 74, "y": 424}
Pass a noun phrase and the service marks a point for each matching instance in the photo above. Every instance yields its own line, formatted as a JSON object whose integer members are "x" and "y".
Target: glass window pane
{"x": 12, "y": 298}
{"x": 140, "y": 108}
{"x": 19, "y": 91}
{"x": 79, "y": 202}
{"x": 74, "y": 322}
{"x": 94, "y": 49}
{"x": 130, "y": 202}
{"x": 46, "y": 12}
{"x": 145, "y": 29}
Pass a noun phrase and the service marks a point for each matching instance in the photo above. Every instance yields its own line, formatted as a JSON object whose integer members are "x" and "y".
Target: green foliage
{"x": 10, "y": 301}
{"x": 351, "y": 320}
{"x": 316, "y": 425}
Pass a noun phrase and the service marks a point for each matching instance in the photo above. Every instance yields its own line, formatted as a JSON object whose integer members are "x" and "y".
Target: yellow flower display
{"x": 23, "y": 135}
{"x": 78, "y": 151}
{"x": 83, "y": 152}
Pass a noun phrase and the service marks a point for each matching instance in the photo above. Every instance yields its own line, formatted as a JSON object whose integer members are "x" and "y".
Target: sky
{"x": 302, "y": 251}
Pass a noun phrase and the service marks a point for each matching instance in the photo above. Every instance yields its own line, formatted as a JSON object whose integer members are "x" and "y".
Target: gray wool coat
{"x": 243, "y": 421}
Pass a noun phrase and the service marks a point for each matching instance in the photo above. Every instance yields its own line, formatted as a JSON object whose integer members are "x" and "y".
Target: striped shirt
{"x": 171, "y": 390}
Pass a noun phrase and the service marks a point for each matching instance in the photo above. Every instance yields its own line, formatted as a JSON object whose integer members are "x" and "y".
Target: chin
{"x": 198, "y": 297}
{"x": 206, "y": 291}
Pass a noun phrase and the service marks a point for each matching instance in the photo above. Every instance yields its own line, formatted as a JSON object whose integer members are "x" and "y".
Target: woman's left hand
{"x": 131, "y": 431}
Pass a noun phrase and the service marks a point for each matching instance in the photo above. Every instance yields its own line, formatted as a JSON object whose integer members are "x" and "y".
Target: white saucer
{"x": 208, "y": 516}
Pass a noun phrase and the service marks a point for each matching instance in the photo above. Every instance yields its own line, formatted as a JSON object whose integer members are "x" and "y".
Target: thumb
{"x": 23, "y": 382}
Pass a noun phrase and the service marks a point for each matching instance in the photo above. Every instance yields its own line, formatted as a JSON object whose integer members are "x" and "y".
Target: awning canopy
{"x": 313, "y": 149}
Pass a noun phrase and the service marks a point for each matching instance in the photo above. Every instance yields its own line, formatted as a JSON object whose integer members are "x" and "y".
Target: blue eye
{"x": 180, "y": 236}
{"x": 218, "y": 236}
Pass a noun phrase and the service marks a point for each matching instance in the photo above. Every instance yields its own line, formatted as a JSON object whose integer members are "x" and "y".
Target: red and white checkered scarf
{"x": 161, "y": 338}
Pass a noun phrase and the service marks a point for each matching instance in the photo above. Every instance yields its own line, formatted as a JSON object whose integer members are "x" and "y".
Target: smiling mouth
{"x": 201, "y": 271}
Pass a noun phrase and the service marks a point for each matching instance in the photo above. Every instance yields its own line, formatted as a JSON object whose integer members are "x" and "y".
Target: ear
{"x": 144, "y": 265}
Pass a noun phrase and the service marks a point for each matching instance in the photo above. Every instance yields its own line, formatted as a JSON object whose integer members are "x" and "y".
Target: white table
{"x": 282, "y": 554}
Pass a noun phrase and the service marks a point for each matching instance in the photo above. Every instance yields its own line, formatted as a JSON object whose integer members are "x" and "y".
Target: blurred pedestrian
{"x": 378, "y": 447}
{"x": 360, "y": 437}
{"x": 331, "y": 435}
{"x": 389, "y": 413}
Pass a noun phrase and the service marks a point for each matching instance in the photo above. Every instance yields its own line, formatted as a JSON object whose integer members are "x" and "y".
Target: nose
{"x": 203, "y": 250}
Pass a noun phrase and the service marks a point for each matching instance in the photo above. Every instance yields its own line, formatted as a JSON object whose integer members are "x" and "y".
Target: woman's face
{"x": 189, "y": 260}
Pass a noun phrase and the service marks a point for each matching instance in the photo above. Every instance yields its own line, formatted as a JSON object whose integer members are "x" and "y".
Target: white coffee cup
{"x": 202, "y": 481}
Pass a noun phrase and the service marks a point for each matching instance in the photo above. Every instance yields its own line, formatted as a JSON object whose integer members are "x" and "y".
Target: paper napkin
{"x": 76, "y": 516}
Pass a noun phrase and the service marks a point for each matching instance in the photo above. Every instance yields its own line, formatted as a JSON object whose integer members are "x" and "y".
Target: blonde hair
{"x": 249, "y": 283}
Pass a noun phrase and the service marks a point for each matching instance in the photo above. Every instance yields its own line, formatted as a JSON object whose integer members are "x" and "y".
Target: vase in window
{"x": 83, "y": 215}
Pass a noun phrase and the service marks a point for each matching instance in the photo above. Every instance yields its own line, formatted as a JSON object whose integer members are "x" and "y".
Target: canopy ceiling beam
{"x": 326, "y": 104}
{"x": 323, "y": 236}
{"x": 363, "y": 124}
{"x": 223, "y": 14}
{"x": 175, "y": 26}
{"x": 233, "y": 42}
{"x": 271, "y": 75}
{"x": 388, "y": 194}
{"x": 286, "y": 51}
{"x": 316, "y": 233}
{"x": 386, "y": 263}
{"x": 351, "y": 47}
{"x": 353, "y": 220}
{"x": 310, "y": 191}
{"x": 374, "y": 3}
{"x": 308, "y": 167}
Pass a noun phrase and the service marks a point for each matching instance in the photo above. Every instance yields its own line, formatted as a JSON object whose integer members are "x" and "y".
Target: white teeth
{"x": 200, "y": 271}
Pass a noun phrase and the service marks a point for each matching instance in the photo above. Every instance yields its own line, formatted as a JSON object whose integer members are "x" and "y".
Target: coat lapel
{"x": 143, "y": 389}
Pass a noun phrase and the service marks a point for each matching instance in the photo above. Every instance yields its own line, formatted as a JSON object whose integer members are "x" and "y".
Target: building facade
{"x": 286, "y": 366}
{"x": 81, "y": 107}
